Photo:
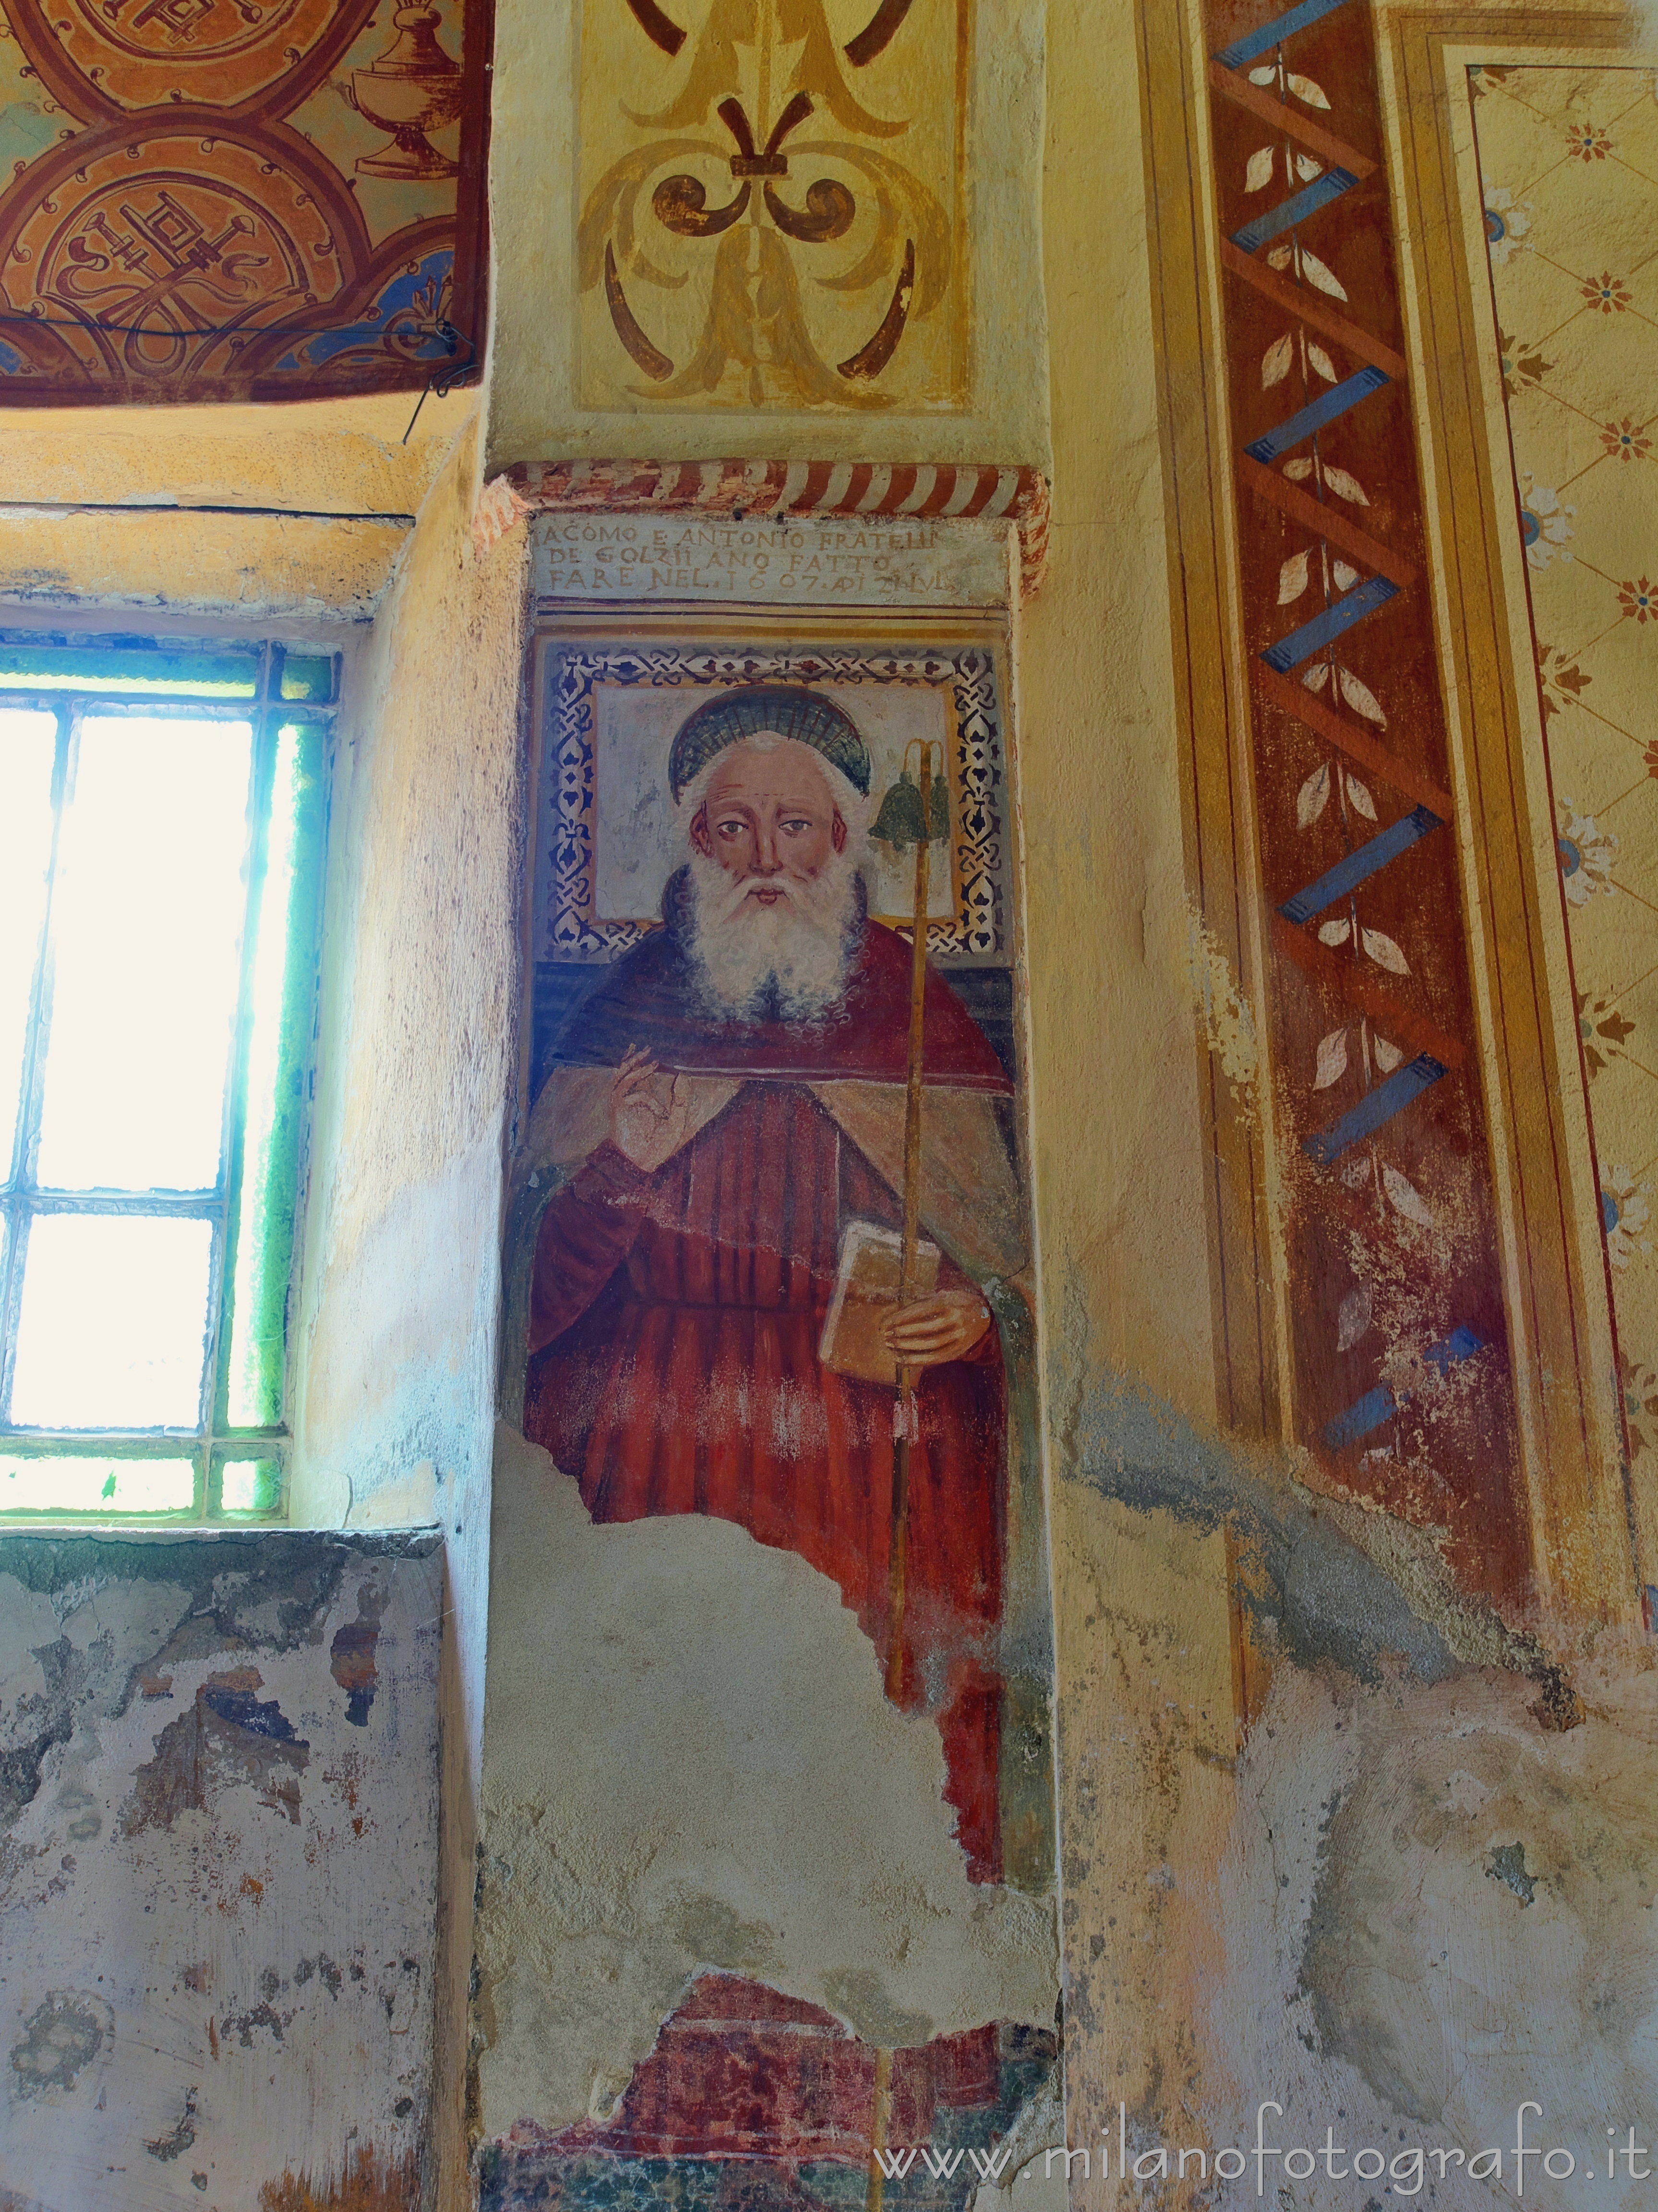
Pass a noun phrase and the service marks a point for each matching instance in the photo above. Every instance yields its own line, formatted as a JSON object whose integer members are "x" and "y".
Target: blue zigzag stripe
{"x": 1275, "y": 33}
{"x": 1380, "y": 1405}
{"x": 1316, "y": 413}
{"x": 1288, "y": 213}
{"x": 1350, "y": 872}
{"x": 1313, "y": 636}
{"x": 1401, "y": 1089}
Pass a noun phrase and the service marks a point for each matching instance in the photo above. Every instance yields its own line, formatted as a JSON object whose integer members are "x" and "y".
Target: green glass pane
{"x": 92, "y": 668}
{"x": 95, "y": 1483}
{"x": 282, "y": 981}
{"x": 250, "y": 1485}
{"x": 28, "y": 740}
{"x": 307, "y": 676}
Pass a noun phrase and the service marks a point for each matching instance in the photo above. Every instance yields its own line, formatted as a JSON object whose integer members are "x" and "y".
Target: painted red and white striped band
{"x": 977, "y": 492}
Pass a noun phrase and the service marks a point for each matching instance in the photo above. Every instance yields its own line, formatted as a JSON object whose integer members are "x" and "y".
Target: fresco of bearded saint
{"x": 724, "y": 1103}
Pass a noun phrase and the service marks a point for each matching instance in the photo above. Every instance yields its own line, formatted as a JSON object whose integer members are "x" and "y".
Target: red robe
{"x": 674, "y": 1320}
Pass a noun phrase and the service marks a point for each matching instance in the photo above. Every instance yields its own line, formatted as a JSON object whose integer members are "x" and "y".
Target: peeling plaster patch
{"x": 333, "y": 1979}
{"x": 45, "y": 1718}
{"x": 228, "y": 1736}
{"x": 181, "y": 2136}
{"x": 1506, "y": 1864}
{"x": 61, "y": 2038}
{"x": 1228, "y": 1021}
{"x": 242, "y": 2025}
{"x": 351, "y": 1655}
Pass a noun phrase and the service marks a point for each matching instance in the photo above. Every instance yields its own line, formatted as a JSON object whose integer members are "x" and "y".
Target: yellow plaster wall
{"x": 329, "y": 456}
{"x": 290, "y": 513}
{"x": 394, "y": 1343}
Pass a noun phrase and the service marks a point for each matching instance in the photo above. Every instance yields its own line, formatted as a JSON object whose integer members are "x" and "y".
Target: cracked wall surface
{"x": 218, "y": 1869}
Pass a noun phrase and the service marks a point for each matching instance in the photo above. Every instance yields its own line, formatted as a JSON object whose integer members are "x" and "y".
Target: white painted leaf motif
{"x": 1405, "y": 1198}
{"x": 1345, "y": 577}
{"x": 1335, "y": 932}
{"x": 1306, "y": 167}
{"x": 1385, "y": 953}
{"x": 1260, "y": 171}
{"x": 1265, "y": 75}
{"x": 1360, "y": 697}
{"x": 1360, "y": 798}
{"x": 1292, "y": 579}
{"x": 1388, "y": 1056}
{"x": 1275, "y": 361}
{"x": 1317, "y": 677}
{"x": 1345, "y": 486}
{"x": 1299, "y": 469}
{"x": 1353, "y": 1317}
{"x": 1322, "y": 361}
{"x": 1321, "y": 275}
{"x": 1332, "y": 1059}
{"x": 1304, "y": 89}
{"x": 1278, "y": 257}
{"x": 1313, "y": 797}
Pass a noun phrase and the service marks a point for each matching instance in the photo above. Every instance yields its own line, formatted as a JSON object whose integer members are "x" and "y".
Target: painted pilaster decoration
{"x": 866, "y": 491}
{"x": 1400, "y": 1381}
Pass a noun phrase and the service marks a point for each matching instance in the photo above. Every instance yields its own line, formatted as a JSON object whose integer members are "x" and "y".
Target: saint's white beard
{"x": 801, "y": 946}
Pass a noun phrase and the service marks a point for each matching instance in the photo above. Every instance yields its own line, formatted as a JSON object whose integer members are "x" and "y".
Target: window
{"x": 161, "y": 831}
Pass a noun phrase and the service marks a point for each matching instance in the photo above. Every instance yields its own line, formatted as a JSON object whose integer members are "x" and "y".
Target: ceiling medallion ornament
{"x": 191, "y": 213}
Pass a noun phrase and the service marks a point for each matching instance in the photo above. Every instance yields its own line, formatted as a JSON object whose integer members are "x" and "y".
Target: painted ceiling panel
{"x": 216, "y": 200}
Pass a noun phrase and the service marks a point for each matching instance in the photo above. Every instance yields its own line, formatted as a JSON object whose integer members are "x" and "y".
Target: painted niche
{"x": 781, "y": 1278}
{"x": 773, "y": 203}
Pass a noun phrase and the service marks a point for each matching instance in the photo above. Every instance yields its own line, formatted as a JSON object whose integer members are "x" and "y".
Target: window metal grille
{"x": 162, "y": 823}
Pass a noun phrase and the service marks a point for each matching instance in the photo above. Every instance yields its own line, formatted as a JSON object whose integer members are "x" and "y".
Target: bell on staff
{"x": 899, "y": 822}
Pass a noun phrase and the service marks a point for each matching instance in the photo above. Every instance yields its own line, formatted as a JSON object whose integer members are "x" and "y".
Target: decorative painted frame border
{"x": 1563, "y": 1490}
{"x": 573, "y": 668}
{"x": 872, "y": 490}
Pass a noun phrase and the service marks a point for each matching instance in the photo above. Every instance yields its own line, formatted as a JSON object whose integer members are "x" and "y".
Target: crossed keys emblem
{"x": 166, "y": 245}
{"x": 767, "y": 66}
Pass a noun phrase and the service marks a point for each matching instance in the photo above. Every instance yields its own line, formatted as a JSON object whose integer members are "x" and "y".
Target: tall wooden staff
{"x": 909, "y": 811}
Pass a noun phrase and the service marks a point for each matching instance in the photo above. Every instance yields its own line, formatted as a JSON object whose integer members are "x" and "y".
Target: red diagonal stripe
{"x": 1324, "y": 520}
{"x": 1300, "y": 302}
{"x": 1353, "y": 981}
{"x": 943, "y": 485}
{"x": 1296, "y": 699}
{"x": 1280, "y": 116}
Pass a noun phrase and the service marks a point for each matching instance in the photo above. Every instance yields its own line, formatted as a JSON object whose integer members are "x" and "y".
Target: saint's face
{"x": 769, "y": 818}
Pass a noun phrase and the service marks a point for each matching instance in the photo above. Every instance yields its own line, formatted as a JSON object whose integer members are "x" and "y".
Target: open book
{"x": 866, "y": 1287}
